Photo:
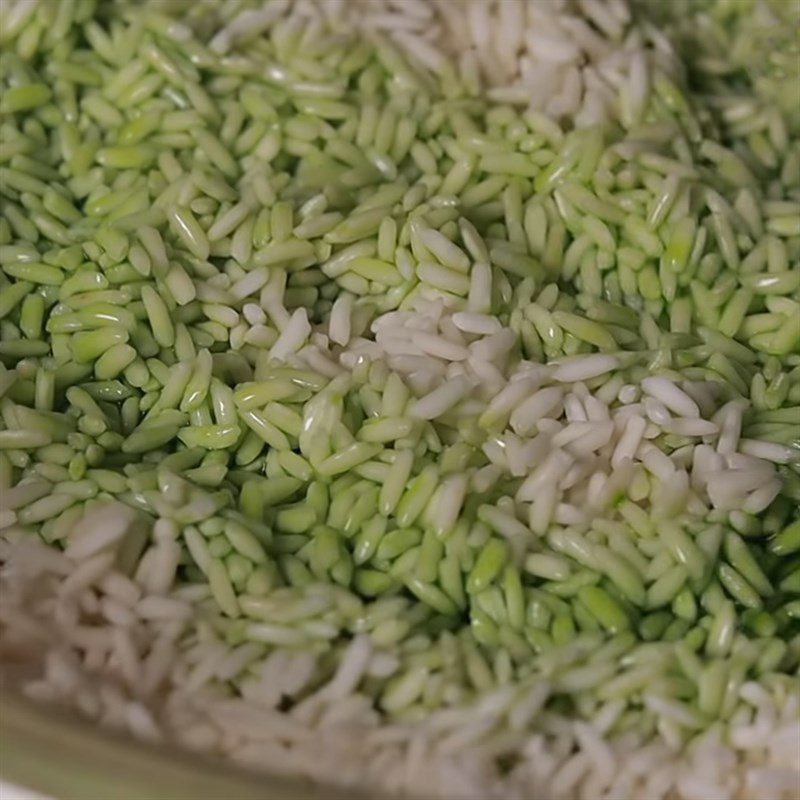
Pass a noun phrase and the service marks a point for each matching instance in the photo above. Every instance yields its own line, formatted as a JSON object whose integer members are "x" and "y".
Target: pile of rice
{"x": 408, "y": 399}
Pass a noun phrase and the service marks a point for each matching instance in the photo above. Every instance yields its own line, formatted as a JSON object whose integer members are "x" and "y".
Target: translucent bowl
{"x": 62, "y": 756}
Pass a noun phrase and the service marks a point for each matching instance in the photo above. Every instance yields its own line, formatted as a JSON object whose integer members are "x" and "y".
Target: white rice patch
{"x": 729, "y": 418}
{"x": 671, "y": 396}
{"x": 163, "y": 609}
{"x": 691, "y": 427}
{"x": 293, "y": 336}
{"x": 581, "y": 369}
{"x": 439, "y": 346}
{"x": 629, "y": 442}
{"x": 545, "y": 402}
{"x": 25, "y": 492}
{"x": 248, "y": 22}
{"x": 761, "y": 498}
{"x": 479, "y": 324}
{"x": 442, "y": 399}
{"x": 656, "y": 411}
{"x": 86, "y": 574}
{"x": 769, "y": 451}
{"x": 100, "y": 529}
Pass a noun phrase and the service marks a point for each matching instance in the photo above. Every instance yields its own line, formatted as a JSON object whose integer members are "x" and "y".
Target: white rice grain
{"x": 581, "y": 369}
{"x": 545, "y": 402}
{"x": 99, "y": 529}
{"x": 671, "y": 396}
{"x": 442, "y": 399}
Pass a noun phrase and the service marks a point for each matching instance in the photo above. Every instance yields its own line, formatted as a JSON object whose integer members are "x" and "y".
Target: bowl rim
{"x": 54, "y": 751}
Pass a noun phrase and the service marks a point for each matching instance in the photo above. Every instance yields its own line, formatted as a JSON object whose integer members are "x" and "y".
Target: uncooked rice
{"x": 406, "y": 396}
